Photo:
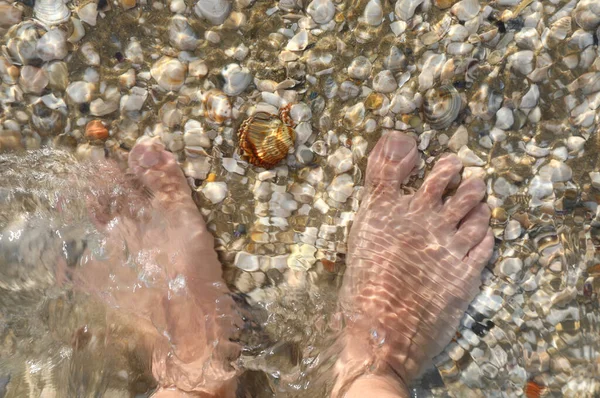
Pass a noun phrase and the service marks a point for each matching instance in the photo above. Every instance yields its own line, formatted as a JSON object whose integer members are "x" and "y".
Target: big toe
{"x": 391, "y": 161}
{"x": 157, "y": 168}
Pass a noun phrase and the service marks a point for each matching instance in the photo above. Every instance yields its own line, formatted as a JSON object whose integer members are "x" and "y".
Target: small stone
{"x": 459, "y": 139}
{"x": 513, "y": 230}
{"x": 469, "y": 158}
{"x": 385, "y": 82}
{"x": 504, "y": 118}
{"x": 302, "y": 257}
{"x": 247, "y": 262}
{"x": 215, "y": 191}
{"x": 595, "y": 177}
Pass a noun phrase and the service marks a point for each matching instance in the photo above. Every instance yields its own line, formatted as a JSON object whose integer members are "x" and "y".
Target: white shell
{"x": 214, "y": 11}
{"x": 321, "y": 11}
{"x": 373, "y": 14}
{"x": 21, "y": 46}
{"x": 587, "y": 14}
{"x": 181, "y": 34}
{"x": 90, "y": 54}
{"x": 52, "y": 45}
{"x": 360, "y": 68}
{"x": 169, "y": 73}
{"x": 466, "y": 9}
{"x": 33, "y": 80}
{"x": 80, "y": 92}
{"x": 51, "y": 12}
{"x": 88, "y": 12}
{"x": 298, "y": 42}
{"x": 405, "y": 9}
{"x": 384, "y": 82}
{"x": 236, "y": 78}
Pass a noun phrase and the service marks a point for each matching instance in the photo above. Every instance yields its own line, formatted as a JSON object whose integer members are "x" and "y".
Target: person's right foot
{"x": 414, "y": 262}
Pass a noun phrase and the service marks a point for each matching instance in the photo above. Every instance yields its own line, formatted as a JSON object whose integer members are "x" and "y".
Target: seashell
{"x": 46, "y": 120}
{"x": 217, "y": 105}
{"x": 9, "y": 15}
{"x": 21, "y": 47}
{"x": 58, "y": 75}
{"x": 236, "y": 78}
{"x": 384, "y": 82}
{"x": 321, "y": 11}
{"x": 9, "y": 73}
{"x": 51, "y": 12}
{"x": 299, "y": 42}
{"x": 128, "y": 4}
{"x": 441, "y": 106}
{"x": 90, "y": 55}
{"x": 169, "y": 73}
{"x": 405, "y": 9}
{"x": 266, "y": 139}
{"x": 214, "y": 11}
{"x": 466, "y": 9}
{"x": 587, "y": 14}
{"x": 170, "y": 115}
{"x": 96, "y": 130}
{"x": 181, "y": 34}
{"x": 373, "y": 14}
{"x": 560, "y": 29}
{"x": 134, "y": 51}
{"x": 88, "y": 12}
{"x": 395, "y": 60}
{"x": 52, "y": 45}
{"x": 360, "y": 68}
{"x": 80, "y": 92}
{"x": 522, "y": 61}
{"x": 33, "y": 80}
{"x": 77, "y": 31}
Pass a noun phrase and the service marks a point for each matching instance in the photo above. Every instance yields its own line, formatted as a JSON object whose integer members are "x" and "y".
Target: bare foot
{"x": 414, "y": 264}
{"x": 169, "y": 273}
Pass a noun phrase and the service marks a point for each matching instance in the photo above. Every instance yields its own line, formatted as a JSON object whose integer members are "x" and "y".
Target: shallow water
{"x": 536, "y": 321}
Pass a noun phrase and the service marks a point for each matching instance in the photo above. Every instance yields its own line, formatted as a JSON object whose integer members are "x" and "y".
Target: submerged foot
{"x": 176, "y": 277}
{"x": 414, "y": 262}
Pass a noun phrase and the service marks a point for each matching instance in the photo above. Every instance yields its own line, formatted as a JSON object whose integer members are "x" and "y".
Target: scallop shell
{"x": 51, "y": 12}
{"x": 441, "y": 106}
{"x": 266, "y": 139}
{"x": 95, "y": 130}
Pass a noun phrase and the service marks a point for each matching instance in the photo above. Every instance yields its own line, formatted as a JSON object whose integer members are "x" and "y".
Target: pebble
{"x": 513, "y": 230}
{"x": 247, "y": 261}
{"x": 215, "y": 191}
{"x": 504, "y": 118}
{"x": 459, "y": 139}
{"x": 384, "y": 82}
{"x": 469, "y": 158}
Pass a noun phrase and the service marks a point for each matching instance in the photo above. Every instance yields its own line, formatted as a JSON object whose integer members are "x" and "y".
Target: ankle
{"x": 381, "y": 386}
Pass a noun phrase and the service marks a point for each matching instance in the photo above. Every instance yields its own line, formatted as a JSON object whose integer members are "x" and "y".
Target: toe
{"x": 479, "y": 255}
{"x": 471, "y": 231}
{"x": 429, "y": 196}
{"x": 157, "y": 168}
{"x": 467, "y": 196}
{"x": 391, "y": 161}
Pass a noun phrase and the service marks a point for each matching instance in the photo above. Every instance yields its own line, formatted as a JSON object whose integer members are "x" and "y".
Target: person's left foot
{"x": 162, "y": 265}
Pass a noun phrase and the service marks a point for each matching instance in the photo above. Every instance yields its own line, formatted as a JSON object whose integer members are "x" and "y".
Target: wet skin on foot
{"x": 414, "y": 263}
{"x": 189, "y": 312}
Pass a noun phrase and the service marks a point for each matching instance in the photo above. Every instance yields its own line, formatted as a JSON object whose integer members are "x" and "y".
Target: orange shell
{"x": 95, "y": 130}
{"x": 265, "y": 139}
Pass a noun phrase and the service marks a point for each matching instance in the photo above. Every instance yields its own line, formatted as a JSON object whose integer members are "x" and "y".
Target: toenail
{"x": 149, "y": 159}
{"x": 397, "y": 145}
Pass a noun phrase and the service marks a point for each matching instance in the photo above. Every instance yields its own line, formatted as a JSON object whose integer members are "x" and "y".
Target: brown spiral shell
{"x": 266, "y": 139}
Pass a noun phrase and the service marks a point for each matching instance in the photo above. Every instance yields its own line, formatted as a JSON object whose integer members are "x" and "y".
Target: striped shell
{"x": 441, "y": 106}
{"x": 266, "y": 139}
